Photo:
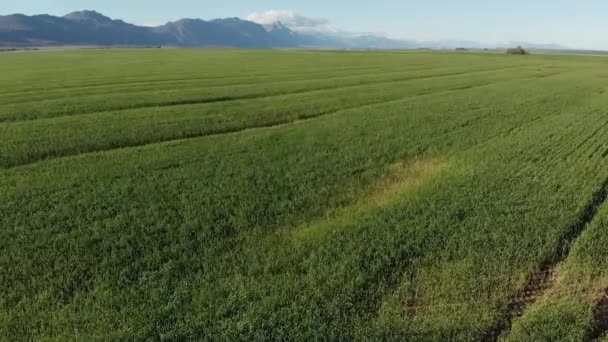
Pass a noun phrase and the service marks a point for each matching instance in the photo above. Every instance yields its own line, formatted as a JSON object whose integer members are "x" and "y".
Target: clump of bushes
{"x": 517, "y": 51}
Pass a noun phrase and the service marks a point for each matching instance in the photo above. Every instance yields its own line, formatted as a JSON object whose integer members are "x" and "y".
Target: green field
{"x": 300, "y": 195}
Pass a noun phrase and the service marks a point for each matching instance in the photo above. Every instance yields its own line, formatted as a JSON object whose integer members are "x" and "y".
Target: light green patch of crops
{"x": 399, "y": 181}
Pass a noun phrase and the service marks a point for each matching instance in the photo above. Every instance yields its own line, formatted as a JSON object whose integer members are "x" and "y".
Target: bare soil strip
{"x": 600, "y": 316}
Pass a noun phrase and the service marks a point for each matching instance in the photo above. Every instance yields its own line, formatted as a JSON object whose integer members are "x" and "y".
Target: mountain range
{"x": 93, "y": 28}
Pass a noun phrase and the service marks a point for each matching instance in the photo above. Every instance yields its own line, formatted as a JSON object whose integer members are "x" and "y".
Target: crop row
{"x": 209, "y": 223}
{"x": 414, "y": 211}
{"x": 114, "y": 68}
{"x": 188, "y": 95}
{"x": 29, "y": 141}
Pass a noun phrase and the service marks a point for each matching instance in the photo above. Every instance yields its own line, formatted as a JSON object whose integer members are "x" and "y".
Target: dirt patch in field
{"x": 600, "y": 317}
{"x": 538, "y": 283}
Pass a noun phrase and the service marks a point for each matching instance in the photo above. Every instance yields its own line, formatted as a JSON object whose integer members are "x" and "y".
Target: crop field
{"x": 299, "y": 195}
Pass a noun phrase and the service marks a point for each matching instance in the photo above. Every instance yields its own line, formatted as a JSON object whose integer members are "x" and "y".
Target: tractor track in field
{"x": 600, "y": 318}
{"x": 142, "y": 80}
{"x": 152, "y": 82}
{"x": 254, "y": 82}
{"x": 167, "y": 86}
{"x": 225, "y": 131}
{"x": 10, "y": 117}
{"x": 274, "y": 124}
{"x": 343, "y": 73}
{"x": 543, "y": 279}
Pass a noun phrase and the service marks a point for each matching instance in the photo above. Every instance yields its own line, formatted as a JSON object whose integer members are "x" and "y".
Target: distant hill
{"x": 77, "y": 28}
{"x": 219, "y": 32}
{"x": 93, "y": 28}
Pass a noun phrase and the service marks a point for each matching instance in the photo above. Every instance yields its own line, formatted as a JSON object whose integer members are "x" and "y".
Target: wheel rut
{"x": 543, "y": 279}
{"x": 600, "y": 318}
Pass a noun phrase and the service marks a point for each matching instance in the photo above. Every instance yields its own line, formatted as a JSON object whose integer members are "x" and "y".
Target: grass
{"x": 573, "y": 310}
{"x": 297, "y": 195}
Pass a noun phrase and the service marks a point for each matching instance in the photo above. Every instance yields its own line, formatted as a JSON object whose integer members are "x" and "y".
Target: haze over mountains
{"x": 93, "y": 28}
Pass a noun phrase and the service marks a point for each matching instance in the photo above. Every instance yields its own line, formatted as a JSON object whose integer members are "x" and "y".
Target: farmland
{"x": 234, "y": 194}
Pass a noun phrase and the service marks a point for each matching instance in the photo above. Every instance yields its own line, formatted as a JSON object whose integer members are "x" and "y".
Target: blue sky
{"x": 573, "y": 23}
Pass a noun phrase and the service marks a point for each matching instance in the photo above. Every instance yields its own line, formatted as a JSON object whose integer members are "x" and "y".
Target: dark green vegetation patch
{"x": 302, "y": 195}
